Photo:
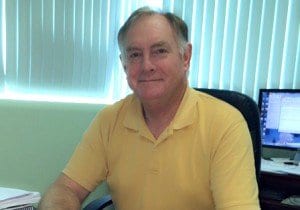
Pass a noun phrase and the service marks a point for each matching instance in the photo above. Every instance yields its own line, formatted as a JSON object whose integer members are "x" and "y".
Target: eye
{"x": 160, "y": 51}
{"x": 133, "y": 55}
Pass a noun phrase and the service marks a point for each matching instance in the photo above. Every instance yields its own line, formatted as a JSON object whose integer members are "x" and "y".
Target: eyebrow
{"x": 155, "y": 45}
{"x": 129, "y": 49}
{"x": 160, "y": 44}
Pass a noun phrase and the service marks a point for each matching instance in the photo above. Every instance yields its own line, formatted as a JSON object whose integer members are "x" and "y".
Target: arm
{"x": 233, "y": 174}
{"x": 63, "y": 194}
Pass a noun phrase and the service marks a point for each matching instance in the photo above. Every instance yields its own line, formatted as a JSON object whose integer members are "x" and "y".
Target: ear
{"x": 187, "y": 56}
{"x": 123, "y": 62}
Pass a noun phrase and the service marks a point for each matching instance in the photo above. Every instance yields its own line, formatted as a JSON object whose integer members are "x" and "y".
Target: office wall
{"x": 37, "y": 139}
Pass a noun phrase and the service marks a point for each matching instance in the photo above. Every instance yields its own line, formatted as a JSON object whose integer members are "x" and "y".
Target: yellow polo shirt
{"x": 202, "y": 161}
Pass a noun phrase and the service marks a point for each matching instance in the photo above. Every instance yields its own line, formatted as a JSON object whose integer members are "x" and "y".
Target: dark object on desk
{"x": 249, "y": 109}
{"x": 275, "y": 187}
{"x": 291, "y": 163}
{"x": 293, "y": 200}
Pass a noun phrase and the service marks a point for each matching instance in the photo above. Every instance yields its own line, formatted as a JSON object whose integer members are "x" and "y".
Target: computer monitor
{"x": 280, "y": 119}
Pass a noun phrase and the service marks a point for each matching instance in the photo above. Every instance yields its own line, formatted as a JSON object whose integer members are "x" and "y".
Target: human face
{"x": 154, "y": 66}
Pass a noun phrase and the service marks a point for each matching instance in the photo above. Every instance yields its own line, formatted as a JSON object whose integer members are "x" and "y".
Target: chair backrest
{"x": 248, "y": 108}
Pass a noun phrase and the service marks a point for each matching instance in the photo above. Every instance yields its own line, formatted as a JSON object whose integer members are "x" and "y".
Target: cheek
{"x": 174, "y": 68}
{"x": 131, "y": 75}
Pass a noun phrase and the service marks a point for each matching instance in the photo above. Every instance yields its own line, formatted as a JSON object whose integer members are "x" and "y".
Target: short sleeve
{"x": 88, "y": 164}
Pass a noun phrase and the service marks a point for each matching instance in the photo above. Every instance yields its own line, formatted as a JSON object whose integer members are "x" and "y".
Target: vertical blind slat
{"x": 264, "y": 45}
{"x": 216, "y": 46}
{"x": 252, "y": 47}
{"x": 195, "y": 37}
{"x": 12, "y": 42}
{"x": 289, "y": 50}
{"x": 2, "y": 58}
{"x": 296, "y": 80}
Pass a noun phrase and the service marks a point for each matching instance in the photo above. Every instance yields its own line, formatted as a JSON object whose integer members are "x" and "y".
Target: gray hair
{"x": 178, "y": 25}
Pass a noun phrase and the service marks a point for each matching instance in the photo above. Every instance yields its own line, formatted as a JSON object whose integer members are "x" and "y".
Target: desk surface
{"x": 278, "y": 166}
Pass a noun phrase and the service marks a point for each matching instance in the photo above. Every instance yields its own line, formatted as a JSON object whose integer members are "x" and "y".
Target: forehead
{"x": 150, "y": 29}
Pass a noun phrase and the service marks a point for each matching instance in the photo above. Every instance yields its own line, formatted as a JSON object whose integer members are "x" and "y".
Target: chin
{"x": 150, "y": 95}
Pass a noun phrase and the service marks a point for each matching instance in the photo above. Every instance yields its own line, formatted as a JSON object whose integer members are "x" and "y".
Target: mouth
{"x": 150, "y": 80}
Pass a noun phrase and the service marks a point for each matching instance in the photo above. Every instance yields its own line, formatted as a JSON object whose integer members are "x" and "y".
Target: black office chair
{"x": 249, "y": 109}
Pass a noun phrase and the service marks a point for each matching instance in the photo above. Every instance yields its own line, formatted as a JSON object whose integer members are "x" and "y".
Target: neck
{"x": 159, "y": 114}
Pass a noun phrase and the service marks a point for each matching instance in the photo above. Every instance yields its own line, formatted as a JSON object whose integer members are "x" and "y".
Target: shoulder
{"x": 109, "y": 117}
{"x": 112, "y": 111}
{"x": 214, "y": 107}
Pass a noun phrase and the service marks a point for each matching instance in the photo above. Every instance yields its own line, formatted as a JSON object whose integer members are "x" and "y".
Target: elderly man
{"x": 166, "y": 146}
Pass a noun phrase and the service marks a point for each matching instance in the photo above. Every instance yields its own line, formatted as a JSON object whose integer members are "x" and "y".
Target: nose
{"x": 147, "y": 63}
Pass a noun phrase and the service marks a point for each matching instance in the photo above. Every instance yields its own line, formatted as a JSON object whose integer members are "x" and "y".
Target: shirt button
{"x": 154, "y": 171}
{"x": 154, "y": 167}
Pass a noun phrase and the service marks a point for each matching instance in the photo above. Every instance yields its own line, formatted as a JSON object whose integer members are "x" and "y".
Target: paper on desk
{"x": 21, "y": 207}
{"x": 13, "y": 197}
{"x": 279, "y": 167}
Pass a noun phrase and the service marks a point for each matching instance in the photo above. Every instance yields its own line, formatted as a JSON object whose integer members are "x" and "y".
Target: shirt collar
{"x": 186, "y": 112}
{"x": 184, "y": 117}
{"x": 134, "y": 116}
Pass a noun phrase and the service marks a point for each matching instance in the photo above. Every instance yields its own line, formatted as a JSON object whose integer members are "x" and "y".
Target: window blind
{"x": 67, "y": 49}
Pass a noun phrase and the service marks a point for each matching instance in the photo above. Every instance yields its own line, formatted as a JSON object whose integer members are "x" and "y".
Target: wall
{"x": 37, "y": 139}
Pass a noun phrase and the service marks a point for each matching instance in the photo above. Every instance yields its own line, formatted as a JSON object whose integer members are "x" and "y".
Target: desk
{"x": 278, "y": 166}
{"x": 277, "y": 185}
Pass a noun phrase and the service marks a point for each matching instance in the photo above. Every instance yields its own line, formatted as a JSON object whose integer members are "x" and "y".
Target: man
{"x": 165, "y": 146}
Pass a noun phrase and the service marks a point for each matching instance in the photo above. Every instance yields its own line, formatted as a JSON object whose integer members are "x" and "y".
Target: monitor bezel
{"x": 273, "y": 90}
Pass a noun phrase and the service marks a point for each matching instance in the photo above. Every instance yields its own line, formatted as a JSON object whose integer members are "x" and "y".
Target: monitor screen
{"x": 280, "y": 117}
